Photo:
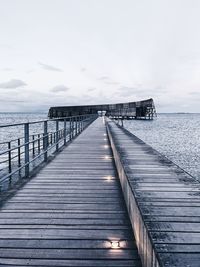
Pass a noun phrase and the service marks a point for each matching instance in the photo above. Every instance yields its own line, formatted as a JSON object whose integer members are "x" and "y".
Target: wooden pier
{"x": 69, "y": 213}
{"x": 107, "y": 199}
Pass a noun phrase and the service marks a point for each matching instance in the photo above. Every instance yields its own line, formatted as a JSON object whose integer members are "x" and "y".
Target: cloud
{"x": 12, "y": 84}
{"x": 104, "y": 78}
{"x": 5, "y": 100}
{"x": 30, "y": 71}
{"x": 91, "y": 89}
{"x": 112, "y": 83}
{"x": 7, "y": 69}
{"x": 6, "y": 46}
{"x": 107, "y": 80}
{"x": 83, "y": 69}
{"x": 194, "y": 93}
{"x": 59, "y": 88}
{"x": 49, "y": 67}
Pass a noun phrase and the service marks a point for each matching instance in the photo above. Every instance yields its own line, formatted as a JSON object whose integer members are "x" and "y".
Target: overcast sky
{"x": 64, "y": 52}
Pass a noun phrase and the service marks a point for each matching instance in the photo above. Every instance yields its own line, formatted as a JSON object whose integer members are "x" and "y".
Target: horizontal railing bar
{"x": 13, "y": 140}
{"x": 34, "y": 122}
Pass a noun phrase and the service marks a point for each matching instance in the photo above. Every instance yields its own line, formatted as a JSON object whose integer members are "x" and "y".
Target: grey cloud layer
{"x": 49, "y": 67}
{"x": 7, "y": 69}
{"x": 59, "y": 88}
{"x": 12, "y": 84}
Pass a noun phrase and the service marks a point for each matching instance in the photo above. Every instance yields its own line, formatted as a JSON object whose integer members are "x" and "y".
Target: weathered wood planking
{"x": 68, "y": 214}
{"x": 163, "y": 202}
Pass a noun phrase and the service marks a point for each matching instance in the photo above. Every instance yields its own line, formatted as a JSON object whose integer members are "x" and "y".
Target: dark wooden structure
{"x": 132, "y": 110}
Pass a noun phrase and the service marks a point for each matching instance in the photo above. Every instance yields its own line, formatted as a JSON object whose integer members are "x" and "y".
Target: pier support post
{"x": 26, "y": 149}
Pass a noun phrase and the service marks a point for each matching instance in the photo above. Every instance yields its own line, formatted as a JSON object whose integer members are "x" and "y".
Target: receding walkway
{"x": 163, "y": 202}
{"x": 68, "y": 214}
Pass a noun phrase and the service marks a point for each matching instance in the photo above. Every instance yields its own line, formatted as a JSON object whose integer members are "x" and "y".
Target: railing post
{"x": 79, "y": 121}
{"x": 19, "y": 152}
{"x": 51, "y": 135}
{"x": 33, "y": 144}
{"x": 57, "y": 129}
{"x": 65, "y": 132}
{"x": 54, "y": 137}
{"x": 26, "y": 148}
{"x": 70, "y": 129}
{"x": 79, "y": 124}
{"x": 38, "y": 143}
{"x": 9, "y": 159}
{"x": 76, "y": 125}
{"x": 83, "y": 121}
{"x": 45, "y": 144}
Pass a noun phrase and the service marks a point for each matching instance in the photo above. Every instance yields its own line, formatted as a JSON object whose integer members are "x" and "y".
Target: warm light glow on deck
{"x": 107, "y": 157}
{"x": 109, "y": 178}
{"x": 115, "y": 244}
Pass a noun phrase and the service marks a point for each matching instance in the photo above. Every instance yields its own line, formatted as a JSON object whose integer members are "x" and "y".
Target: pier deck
{"x": 68, "y": 213}
{"x": 163, "y": 202}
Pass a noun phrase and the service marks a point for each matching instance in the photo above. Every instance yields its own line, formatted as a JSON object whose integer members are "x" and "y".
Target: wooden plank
{"x": 65, "y": 221}
{"x": 63, "y": 243}
{"x": 62, "y": 214}
{"x": 69, "y": 263}
{"x": 100, "y": 254}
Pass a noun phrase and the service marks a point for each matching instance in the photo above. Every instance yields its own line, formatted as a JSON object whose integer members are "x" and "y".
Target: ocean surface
{"x": 177, "y": 136}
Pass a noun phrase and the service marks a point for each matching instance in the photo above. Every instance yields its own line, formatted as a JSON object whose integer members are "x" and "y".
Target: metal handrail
{"x": 45, "y": 142}
{"x": 47, "y": 120}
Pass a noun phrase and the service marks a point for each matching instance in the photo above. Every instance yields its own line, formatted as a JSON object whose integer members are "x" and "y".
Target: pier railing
{"x": 37, "y": 142}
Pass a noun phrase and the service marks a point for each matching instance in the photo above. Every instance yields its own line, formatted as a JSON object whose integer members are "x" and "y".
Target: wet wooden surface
{"x": 168, "y": 200}
{"x": 68, "y": 214}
